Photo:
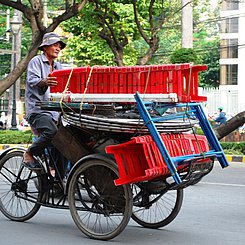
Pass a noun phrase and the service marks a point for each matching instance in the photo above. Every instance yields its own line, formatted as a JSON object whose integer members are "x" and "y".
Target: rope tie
{"x": 65, "y": 91}
{"x": 85, "y": 91}
{"x": 147, "y": 79}
{"x": 189, "y": 80}
{"x": 146, "y": 86}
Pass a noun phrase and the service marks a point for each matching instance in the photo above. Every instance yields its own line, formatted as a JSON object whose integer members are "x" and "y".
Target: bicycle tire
{"x": 100, "y": 209}
{"x": 18, "y": 192}
{"x": 159, "y": 210}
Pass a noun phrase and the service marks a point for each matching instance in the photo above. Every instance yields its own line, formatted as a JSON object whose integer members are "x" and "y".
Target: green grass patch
{"x": 15, "y": 137}
{"x": 233, "y": 148}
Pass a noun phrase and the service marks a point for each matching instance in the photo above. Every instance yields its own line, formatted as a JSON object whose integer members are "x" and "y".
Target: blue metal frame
{"x": 172, "y": 162}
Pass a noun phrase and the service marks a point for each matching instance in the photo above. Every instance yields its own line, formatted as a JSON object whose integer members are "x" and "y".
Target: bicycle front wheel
{"x": 100, "y": 209}
{"x": 19, "y": 192}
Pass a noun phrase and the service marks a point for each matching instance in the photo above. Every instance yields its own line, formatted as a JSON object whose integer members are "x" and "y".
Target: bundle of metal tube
{"x": 126, "y": 125}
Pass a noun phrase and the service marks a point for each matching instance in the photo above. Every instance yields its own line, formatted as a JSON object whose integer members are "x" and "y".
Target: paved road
{"x": 213, "y": 212}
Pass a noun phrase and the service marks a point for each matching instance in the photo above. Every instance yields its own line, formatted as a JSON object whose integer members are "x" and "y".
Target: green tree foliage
{"x": 86, "y": 44}
{"x": 5, "y": 58}
{"x": 100, "y": 31}
{"x": 205, "y": 45}
{"x": 211, "y": 56}
{"x": 206, "y": 42}
{"x": 185, "y": 55}
{"x": 33, "y": 12}
{"x": 132, "y": 30}
{"x": 107, "y": 32}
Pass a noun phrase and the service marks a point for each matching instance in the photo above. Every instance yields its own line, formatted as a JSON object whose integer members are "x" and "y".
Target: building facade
{"x": 232, "y": 56}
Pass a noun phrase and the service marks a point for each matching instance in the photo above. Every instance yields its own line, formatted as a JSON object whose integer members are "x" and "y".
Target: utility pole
{"x": 7, "y": 25}
{"x": 187, "y": 24}
{"x": 14, "y": 93}
{"x": 18, "y": 52}
{"x": 45, "y": 16}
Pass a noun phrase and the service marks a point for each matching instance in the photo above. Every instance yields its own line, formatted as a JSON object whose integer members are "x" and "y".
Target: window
{"x": 228, "y": 74}
{"x": 230, "y": 5}
{"x": 229, "y": 25}
{"x": 229, "y": 48}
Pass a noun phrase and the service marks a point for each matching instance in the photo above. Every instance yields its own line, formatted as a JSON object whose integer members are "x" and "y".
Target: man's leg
{"x": 46, "y": 128}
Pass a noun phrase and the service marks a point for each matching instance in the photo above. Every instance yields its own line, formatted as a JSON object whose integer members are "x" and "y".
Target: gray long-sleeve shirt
{"x": 38, "y": 69}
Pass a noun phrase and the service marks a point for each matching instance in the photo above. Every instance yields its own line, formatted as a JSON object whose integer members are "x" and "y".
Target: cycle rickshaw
{"x": 129, "y": 159}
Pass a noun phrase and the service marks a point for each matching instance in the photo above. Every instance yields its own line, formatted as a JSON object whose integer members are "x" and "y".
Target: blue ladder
{"x": 197, "y": 111}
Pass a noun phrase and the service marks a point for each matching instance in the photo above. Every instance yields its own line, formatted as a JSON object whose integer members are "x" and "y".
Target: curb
{"x": 6, "y": 146}
{"x": 230, "y": 158}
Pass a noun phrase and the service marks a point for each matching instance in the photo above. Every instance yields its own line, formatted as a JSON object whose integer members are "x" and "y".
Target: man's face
{"x": 52, "y": 51}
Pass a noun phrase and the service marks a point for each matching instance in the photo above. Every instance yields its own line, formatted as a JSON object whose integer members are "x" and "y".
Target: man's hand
{"x": 48, "y": 82}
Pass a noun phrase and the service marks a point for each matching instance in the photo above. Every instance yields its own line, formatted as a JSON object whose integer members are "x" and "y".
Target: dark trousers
{"x": 45, "y": 128}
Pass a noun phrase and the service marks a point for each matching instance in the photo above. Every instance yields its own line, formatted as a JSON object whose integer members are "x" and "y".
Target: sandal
{"x": 30, "y": 162}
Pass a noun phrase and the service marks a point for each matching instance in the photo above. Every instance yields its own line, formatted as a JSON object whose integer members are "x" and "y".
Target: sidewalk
{"x": 6, "y": 146}
{"x": 230, "y": 158}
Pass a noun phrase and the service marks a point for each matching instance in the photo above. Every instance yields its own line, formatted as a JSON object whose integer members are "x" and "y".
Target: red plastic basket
{"x": 181, "y": 79}
{"x": 140, "y": 159}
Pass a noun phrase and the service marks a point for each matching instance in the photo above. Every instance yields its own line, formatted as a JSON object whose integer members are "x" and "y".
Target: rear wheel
{"x": 100, "y": 209}
{"x": 155, "y": 210}
{"x": 18, "y": 188}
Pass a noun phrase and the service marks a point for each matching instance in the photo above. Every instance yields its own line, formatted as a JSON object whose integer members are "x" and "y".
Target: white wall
{"x": 226, "y": 96}
{"x": 231, "y": 97}
{"x": 241, "y": 57}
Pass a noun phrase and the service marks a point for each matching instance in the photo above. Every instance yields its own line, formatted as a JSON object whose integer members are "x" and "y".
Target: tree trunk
{"x": 119, "y": 60}
{"x": 151, "y": 51}
{"x": 34, "y": 15}
{"x": 231, "y": 125}
{"x": 9, "y": 80}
